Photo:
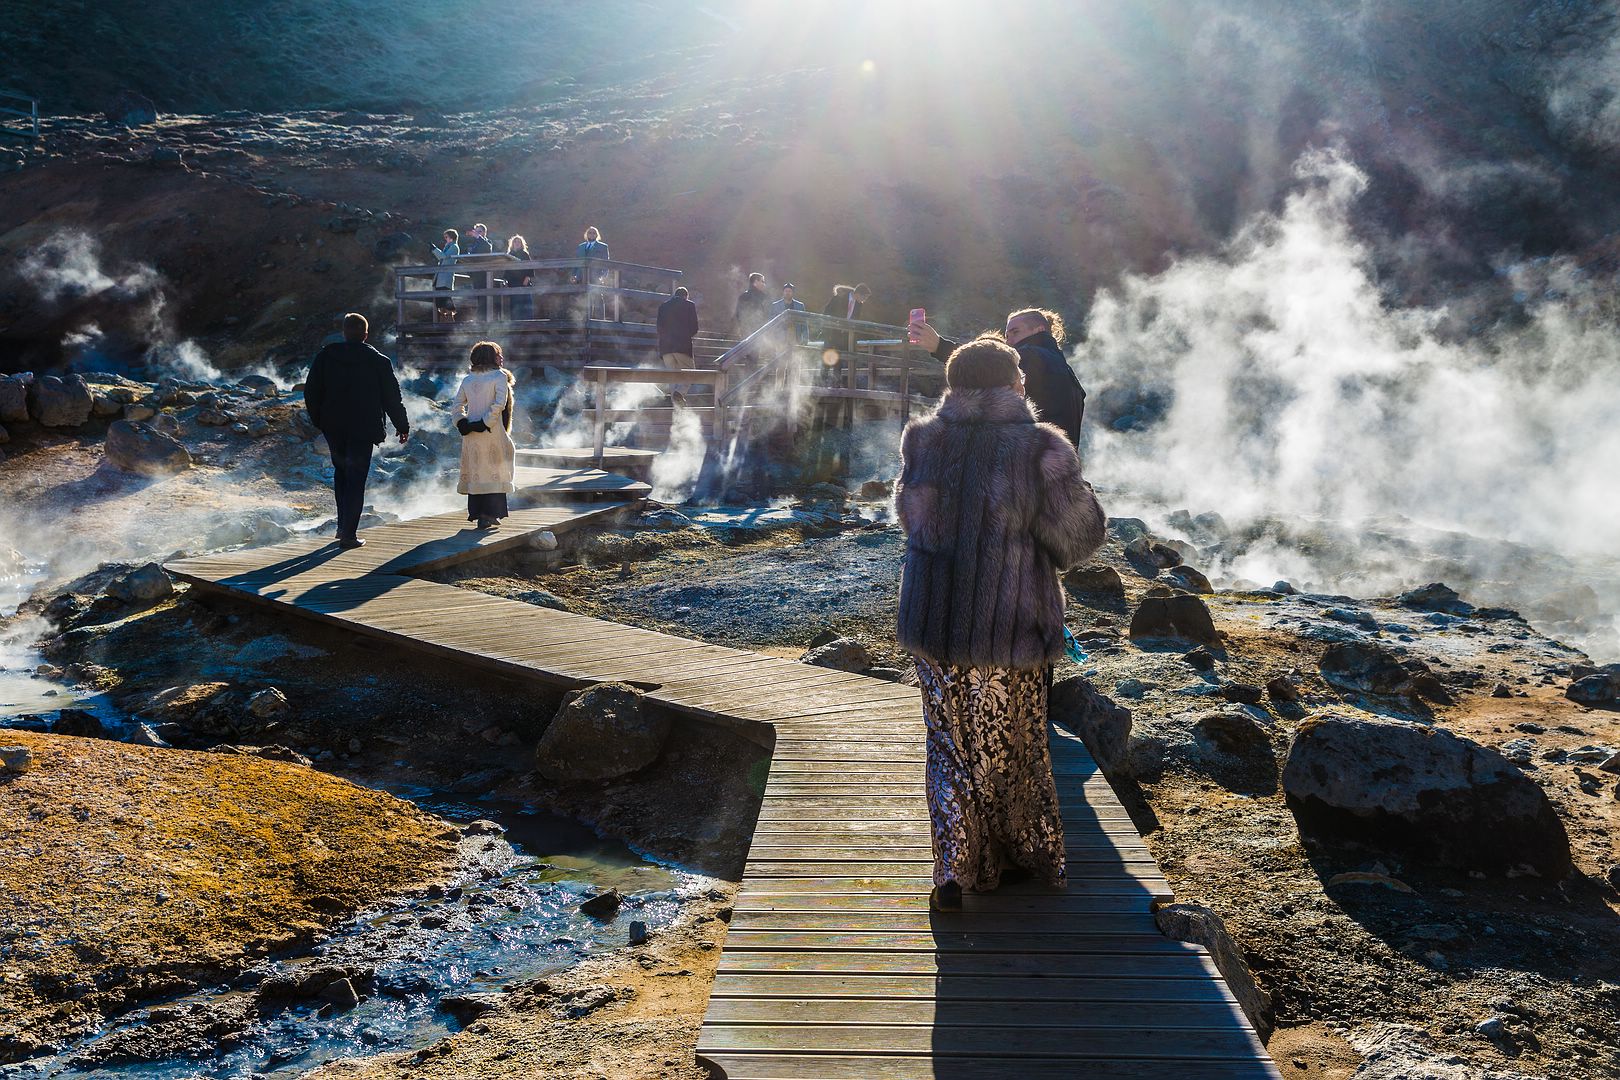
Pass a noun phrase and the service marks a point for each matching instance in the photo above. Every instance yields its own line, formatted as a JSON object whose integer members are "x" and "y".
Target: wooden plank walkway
{"x": 833, "y": 968}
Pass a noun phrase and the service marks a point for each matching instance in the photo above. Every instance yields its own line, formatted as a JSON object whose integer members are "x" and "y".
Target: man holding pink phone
{"x": 1049, "y": 382}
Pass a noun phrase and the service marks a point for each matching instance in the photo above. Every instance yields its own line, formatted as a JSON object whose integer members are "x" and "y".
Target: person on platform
{"x": 677, "y": 326}
{"x": 753, "y": 307}
{"x": 478, "y": 243}
{"x": 593, "y": 246}
{"x": 1051, "y": 384}
{"x": 994, "y": 508}
{"x": 445, "y": 280}
{"x": 484, "y": 418}
{"x": 847, "y": 301}
{"x": 349, "y": 390}
{"x": 788, "y": 303}
{"x": 522, "y": 305}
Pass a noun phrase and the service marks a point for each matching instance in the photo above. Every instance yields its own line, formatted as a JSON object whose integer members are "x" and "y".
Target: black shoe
{"x": 1014, "y": 875}
{"x": 489, "y": 523}
{"x": 946, "y": 897}
{"x": 348, "y": 543}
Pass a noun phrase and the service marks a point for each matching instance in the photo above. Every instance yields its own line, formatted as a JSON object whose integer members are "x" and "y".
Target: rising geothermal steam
{"x": 1294, "y": 388}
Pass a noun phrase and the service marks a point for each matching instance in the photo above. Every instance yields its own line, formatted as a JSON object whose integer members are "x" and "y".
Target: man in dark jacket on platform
{"x": 677, "y": 326}
{"x": 753, "y": 307}
{"x": 351, "y": 386}
{"x": 1049, "y": 382}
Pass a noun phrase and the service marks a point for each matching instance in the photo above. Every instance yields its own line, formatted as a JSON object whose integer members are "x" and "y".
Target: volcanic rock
{"x": 1435, "y": 597}
{"x": 1094, "y": 580}
{"x": 1103, "y": 726}
{"x": 1185, "y": 577}
{"x": 1242, "y": 693}
{"x": 604, "y": 905}
{"x": 840, "y": 654}
{"x": 1149, "y": 554}
{"x": 1592, "y": 690}
{"x": 1198, "y": 925}
{"x": 130, "y": 109}
{"x": 13, "y": 399}
{"x": 1176, "y": 616}
{"x": 601, "y": 732}
{"x": 144, "y": 585}
{"x": 15, "y": 759}
{"x": 142, "y": 449}
{"x": 60, "y": 402}
{"x": 261, "y": 385}
{"x": 104, "y": 404}
{"x": 1366, "y": 668}
{"x": 80, "y": 722}
{"x": 267, "y": 704}
{"x": 1421, "y": 790}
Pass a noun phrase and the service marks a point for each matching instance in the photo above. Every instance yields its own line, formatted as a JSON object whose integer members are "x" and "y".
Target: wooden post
{"x": 720, "y": 385}
{"x": 905, "y": 385}
{"x": 601, "y": 416}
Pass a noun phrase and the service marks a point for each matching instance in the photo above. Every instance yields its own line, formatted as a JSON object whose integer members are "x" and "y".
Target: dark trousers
{"x": 492, "y": 506}
{"x": 351, "y": 464}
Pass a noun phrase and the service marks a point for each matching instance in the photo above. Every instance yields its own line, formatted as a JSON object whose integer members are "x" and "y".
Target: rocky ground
{"x": 1381, "y": 958}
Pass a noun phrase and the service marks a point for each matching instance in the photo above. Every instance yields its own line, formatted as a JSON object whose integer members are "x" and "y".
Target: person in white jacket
{"x": 484, "y": 418}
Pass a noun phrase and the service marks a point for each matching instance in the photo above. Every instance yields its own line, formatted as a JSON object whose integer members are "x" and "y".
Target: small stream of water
{"x": 511, "y": 917}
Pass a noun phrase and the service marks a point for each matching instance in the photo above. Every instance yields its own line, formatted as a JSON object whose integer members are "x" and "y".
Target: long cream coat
{"x": 488, "y": 458}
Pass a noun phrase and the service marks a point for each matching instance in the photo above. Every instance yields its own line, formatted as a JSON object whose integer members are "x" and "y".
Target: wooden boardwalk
{"x": 833, "y": 968}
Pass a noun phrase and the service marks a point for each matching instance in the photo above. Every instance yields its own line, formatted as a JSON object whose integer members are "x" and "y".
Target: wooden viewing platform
{"x": 833, "y": 967}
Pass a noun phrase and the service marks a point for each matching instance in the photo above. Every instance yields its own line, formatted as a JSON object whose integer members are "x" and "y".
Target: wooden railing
{"x": 13, "y": 104}
{"x": 605, "y": 289}
{"x": 847, "y": 360}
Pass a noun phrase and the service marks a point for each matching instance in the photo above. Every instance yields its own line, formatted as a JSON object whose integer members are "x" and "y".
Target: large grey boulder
{"x": 140, "y": 448}
{"x": 1179, "y": 616}
{"x": 1366, "y": 668}
{"x": 1104, "y": 727}
{"x": 59, "y": 402}
{"x": 1421, "y": 791}
{"x": 601, "y": 732}
{"x": 839, "y": 654}
{"x": 1199, "y": 925}
{"x": 143, "y": 585}
{"x": 13, "y": 400}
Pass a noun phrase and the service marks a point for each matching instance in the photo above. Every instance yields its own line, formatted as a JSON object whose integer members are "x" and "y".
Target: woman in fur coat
{"x": 994, "y": 508}
{"x": 484, "y": 418}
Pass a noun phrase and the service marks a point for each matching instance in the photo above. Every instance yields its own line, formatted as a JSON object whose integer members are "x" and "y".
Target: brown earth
{"x": 135, "y": 871}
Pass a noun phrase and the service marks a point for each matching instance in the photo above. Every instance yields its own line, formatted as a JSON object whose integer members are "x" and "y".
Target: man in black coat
{"x": 1049, "y": 382}
{"x": 677, "y": 326}
{"x": 351, "y": 386}
{"x": 753, "y": 307}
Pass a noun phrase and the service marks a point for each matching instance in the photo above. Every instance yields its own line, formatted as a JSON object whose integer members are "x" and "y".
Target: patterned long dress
{"x": 991, "y": 797}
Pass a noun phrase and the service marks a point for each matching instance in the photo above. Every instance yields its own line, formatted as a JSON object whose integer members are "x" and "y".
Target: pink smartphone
{"x": 917, "y": 315}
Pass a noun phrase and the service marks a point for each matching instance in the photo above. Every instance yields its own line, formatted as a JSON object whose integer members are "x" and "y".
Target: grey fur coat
{"x": 994, "y": 506}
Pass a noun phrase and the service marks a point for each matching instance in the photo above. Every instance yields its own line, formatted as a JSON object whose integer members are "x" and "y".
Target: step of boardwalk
{"x": 616, "y": 459}
{"x": 833, "y": 967}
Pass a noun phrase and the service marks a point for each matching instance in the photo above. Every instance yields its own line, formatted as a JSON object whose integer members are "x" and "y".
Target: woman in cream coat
{"x": 484, "y": 418}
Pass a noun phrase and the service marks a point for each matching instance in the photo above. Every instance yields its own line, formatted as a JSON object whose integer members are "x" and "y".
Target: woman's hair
{"x": 591, "y": 233}
{"x": 982, "y": 364}
{"x": 487, "y": 356}
{"x": 453, "y": 235}
{"x": 1053, "y": 321}
{"x": 517, "y": 242}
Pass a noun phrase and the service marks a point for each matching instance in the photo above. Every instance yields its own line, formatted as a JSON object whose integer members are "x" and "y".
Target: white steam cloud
{"x": 1287, "y": 385}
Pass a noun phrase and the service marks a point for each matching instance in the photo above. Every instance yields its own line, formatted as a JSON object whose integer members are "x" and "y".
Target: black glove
{"x": 477, "y": 425}
{"x": 463, "y": 425}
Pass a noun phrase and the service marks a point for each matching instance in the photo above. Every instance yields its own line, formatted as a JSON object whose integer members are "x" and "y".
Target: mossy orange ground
{"x": 126, "y": 871}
